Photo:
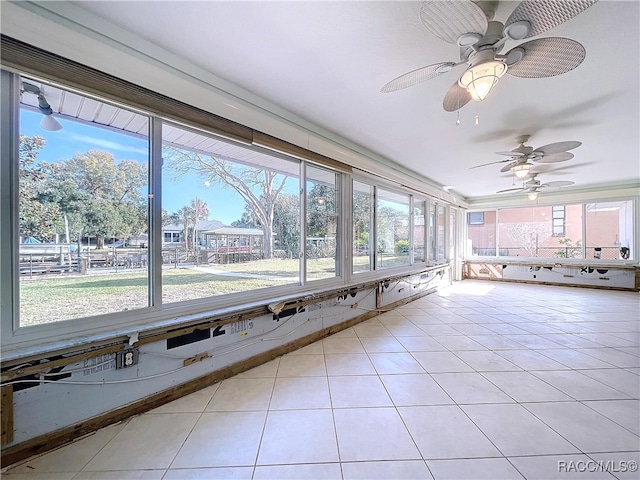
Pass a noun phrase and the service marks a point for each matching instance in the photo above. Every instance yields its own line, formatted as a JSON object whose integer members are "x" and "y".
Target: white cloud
{"x": 108, "y": 144}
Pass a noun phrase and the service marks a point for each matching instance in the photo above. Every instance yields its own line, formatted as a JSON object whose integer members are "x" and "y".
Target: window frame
{"x": 635, "y": 229}
{"x": 475, "y": 222}
{"x": 118, "y": 325}
{"x": 560, "y": 223}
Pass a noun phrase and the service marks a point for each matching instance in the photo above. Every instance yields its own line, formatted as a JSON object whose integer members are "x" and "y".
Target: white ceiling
{"x": 326, "y": 62}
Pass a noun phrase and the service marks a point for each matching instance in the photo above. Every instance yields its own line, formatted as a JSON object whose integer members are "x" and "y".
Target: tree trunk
{"x": 67, "y": 237}
{"x": 268, "y": 240}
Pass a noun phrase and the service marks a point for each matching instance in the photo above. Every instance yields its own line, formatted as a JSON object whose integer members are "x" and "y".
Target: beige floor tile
{"x": 242, "y": 394}
{"x": 487, "y": 362}
{"x": 373, "y": 434}
{"x": 446, "y": 432}
{"x": 470, "y": 388}
{"x": 558, "y": 467}
{"x": 459, "y": 342}
{"x": 349, "y": 364}
{"x": 235, "y": 473}
{"x": 624, "y": 381}
{"x": 302, "y": 366}
{"x": 39, "y": 476}
{"x": 531, "y": 360}
{"x": 300, "y": 393}
{"x": 473, "y": 469}
{"x": 585, "y": 428}
{"x": 358, "y": 391}
{"x": 298, "y": 436}
{"x": 222, "y": 439}
{"x": 422, "y": 344}
{"x": 72, "y": 457}
{"x": 314, "y": 348}
{"x": 441, "y": 362}
{"x": 315, "y": 471}
{"x": 266, "y": 370}
{"x": 122, "y": 475}
{"x": 382, "y": 345}
{"x": 579, "y": 386}
{"x": 371, "y": 328}
{"x": 613, "y": 356}
{"x": 334, "y": 345}
{"x": 397, "y": 470}
{"x": 575, "y": 359}
{"x": 195, "y": 402}
{"x": 623, "y": 466}
{"x": 516, "y": 432}
{"x": 395, "y": 363}
{"x": 524, "y": 387}
{"x": 625, "y": 413}
{"x": 147, "y": 442}
{"x": 415, "y": 389}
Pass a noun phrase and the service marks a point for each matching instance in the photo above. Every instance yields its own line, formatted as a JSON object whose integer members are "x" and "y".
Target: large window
{"x": 82, "y": 205}
{"x": 419, "y": 231}
{"x": 609, "y": 230}
{"x": 557, "y": 232}
{"x": 392, "y": 229}
{"x": 481, "y": 235}
{"x": 231, "y": 217}
{"x": 322, "y": 223}
{"x": 530, "y": 232}
{"x": 441, "y": 242}
{"x": 124, "y": 218}
{"x": 362, "y": 227}
{"x": 558, "y": 217}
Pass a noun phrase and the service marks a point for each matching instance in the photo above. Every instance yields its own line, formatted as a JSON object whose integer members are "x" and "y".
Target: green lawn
{"x": 56, "y": 297}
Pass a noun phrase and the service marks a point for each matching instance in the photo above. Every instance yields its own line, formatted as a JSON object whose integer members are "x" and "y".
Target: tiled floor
{"x": 482, "y": 380}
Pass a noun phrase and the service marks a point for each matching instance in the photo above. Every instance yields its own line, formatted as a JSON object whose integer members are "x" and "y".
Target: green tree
{"x": 258, "y": 187}
{"x": 200, "y": 212}
{"x": 286, "y": 223}
{"x": 38, "y": 217}
{"x": 185, "y": 217}
{"x": 321, "y": 210}
{"x": 101, "y": 196}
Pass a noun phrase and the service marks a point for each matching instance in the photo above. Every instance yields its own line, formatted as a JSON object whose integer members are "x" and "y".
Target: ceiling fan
{"x": 533, "y": 186}
{"x": 520, "y": 157}
{"x": 481, "y": 39}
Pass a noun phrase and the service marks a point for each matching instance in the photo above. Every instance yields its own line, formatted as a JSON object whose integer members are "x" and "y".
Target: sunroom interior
{"x": 373, "y": 271}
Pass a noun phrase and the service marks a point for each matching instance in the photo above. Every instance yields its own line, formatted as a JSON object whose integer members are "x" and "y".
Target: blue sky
{"x": 224, "y": 203}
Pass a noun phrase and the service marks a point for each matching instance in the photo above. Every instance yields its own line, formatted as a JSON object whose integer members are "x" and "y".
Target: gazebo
{"x": 233, "y": 244}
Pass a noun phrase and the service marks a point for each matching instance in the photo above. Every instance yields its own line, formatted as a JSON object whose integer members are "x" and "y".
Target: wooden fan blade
{"x": 508, "y": 166}
{"x": 456, "y": 98}
{"x": 449, "y": 20}
{"x": 557, "y": 147}
{"x": 511, "y": 190}
{"x": 547, "y": 57}
{"x": 414, "y": 77}
{"x": 544, "y": 16}
{"x": 555, "y": 158}
{"x": 511, "y": 154}
{"x": 557, "y": 184}
{"x": 490, "y": 163}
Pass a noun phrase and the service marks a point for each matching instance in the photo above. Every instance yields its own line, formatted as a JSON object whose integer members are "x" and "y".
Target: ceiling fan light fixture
{"x": 522, "y": 170}
{"x": 479, "y": 79}
{"x": 532, "y": 195}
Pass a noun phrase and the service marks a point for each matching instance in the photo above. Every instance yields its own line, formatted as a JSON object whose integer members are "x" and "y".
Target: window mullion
{"x": 155, "y": 212}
